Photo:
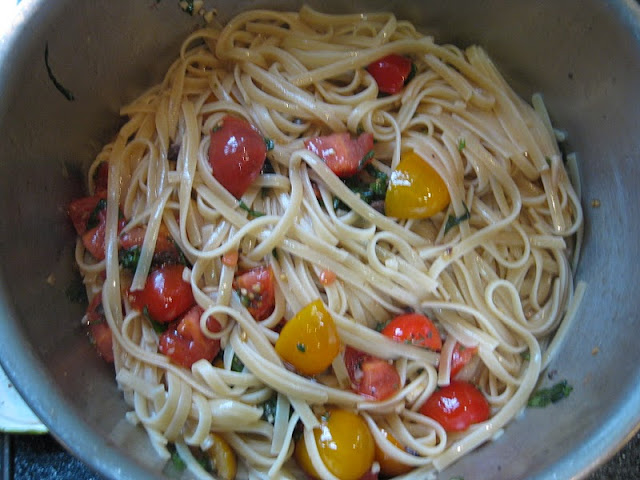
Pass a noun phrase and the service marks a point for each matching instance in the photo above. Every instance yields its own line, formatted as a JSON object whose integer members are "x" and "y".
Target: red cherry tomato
{"x": 165, "y": 251}
{"x": 457, "y": 406}
{"x": 236, "y": 154}
{"x": 370, "y": 376}
{"x": 460, "y": 356}
{"x": 99, "y": 330}
{"x": 390, "y": 72}
{"x": 165, "y": 295}
{"x": 89, "y": 217}
{"x": 257, "y": 291}
{"x": 345, "y": 156}
{"x": 184, "y": 343}
{"x": 415, "y": 329}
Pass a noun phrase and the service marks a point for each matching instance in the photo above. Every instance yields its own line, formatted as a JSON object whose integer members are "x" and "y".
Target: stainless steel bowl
{"x": 583, "y": 55}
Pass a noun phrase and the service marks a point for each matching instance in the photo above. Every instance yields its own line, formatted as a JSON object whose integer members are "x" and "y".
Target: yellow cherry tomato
{"x": 309, "y": 341}
{"x": 344, "y": 443}
{"x": 223, "y": 458}
{"x": 415, "y": 189}
{"x": 389, "y": 466}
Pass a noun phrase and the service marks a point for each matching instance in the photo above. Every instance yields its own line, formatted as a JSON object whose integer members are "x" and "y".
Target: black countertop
{"x": 30, "y": 457}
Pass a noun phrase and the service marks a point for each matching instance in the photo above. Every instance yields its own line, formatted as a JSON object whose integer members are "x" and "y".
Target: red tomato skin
{"x": 81, "y": 209}
{"x": 371, "y": 377}
{"x": 390, "y": 73}
{"x": 457, "y": 406}
{"x": 460, "y": 356}
{"x": 342, "y": 154}
{"x": 184, "y": 343}
{"x": 415, "y": 329}
{"x": 99, "y": 330}
{"x": 165, "y": 251}
{"x": 259, "y": 284}
{"x": 236, "y": 154}
{"x": 101, "y": 178}
{"x": 165, "y": 294}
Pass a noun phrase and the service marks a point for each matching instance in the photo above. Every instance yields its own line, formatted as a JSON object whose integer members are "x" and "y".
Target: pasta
{"x": 491, "y": 267}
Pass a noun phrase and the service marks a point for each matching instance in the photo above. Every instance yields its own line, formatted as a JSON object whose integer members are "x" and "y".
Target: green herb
{"x": 245, "y": 300}
{"x": 177, "y": 461}
{"x": 129, "y": 258}
{"x": 380, "y": 326}
{"x": 253, "y": 213}
{"x": 526, "y": 355}
{"x": 301, "y": 347}
{"x": 236, "y": 364}
{"x": 269, "y": 409}
{"x": 76, "y": 291}
{"x": 367, "y": 156}
{"x": 359, "y": 130}
{"x": 94, "y": 220}
{"x": 157, "y": 326}
{"x": 368, "y": 191}
{"x": 412, "y": 73}
{"x": 64, "y": 91}
{"x": 462, "y": 143}
{"x": 187, "y": 6}
{"x": 269, "y": 143}
{"x": 548, "y": 160}
{"x": 274, "y": 253}
{"x": 453, "y": 221}
{"x": 546, "y": 396}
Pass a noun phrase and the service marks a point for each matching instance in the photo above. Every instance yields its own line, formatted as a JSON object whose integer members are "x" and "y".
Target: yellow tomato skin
{"x": 309, "y": 341}
{"x": 415, "y": 189}
{"x": 345, "y": 445}
{"x": 389, "y": 466}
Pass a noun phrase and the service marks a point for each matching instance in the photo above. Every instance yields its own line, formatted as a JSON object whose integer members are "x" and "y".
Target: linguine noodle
{"x": 500, "y": 280}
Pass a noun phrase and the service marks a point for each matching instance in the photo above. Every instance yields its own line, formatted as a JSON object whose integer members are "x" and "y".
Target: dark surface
{"x": 40, "y": 457}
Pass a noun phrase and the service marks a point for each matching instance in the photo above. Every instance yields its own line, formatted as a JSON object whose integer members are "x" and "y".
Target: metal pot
{"x": 584, "y": 56}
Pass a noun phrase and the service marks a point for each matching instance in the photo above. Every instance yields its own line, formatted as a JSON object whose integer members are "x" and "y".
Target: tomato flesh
{"x": 390, "y": 73}
{"x": 101, "y": 178}
{"x": 165, "y": 295}
{"x": 415, "y": 329}
{"x": 99, "y": 330}
{"x": 309, "y": 341}
{"x": 89, "y": 217}
{"x": 371, "y": 377}
{"x": 457, "y": 406}
{"x": 415, "y": 189}
{"x": 344, "y": 443}
{"x": 460, "y": 356}
{"x": 184, "y": 343}
{"x": 345, "y": 156}
{"x": 165, "y": 250}
{"x": 236, "y": 154}
{"x": 257, "y": 291}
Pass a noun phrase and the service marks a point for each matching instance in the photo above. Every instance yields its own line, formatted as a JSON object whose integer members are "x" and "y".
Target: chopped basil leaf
{"x": 93, "y": 220}
{"x": 236, "y": 364}
{"x": 64, "y": 91}
{"x": 453, "y": 221}
{"x": 157, "y": 326}
{"x": 370, "y": 185}
{"x": 548, "y": 160}
{"x": 301, "y": 347}
{"x": 412, "y": 73}
{"x": 177, "y": 461}
{"x": 269, "y": 409}
{"x": 129, "y": 258}
{"x": 253, "y": 213}
{"x": 269, "y": 143}
{"x": 462, "y": 143}
{"x": 526, "y": 355}
{"x": 368, "y": 156}
{"x": 546, "y": 396}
